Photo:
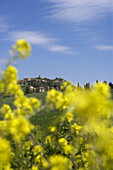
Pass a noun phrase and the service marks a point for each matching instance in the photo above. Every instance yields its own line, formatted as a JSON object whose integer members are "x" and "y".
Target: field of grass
{"x": 6, "y": 100}
{"x": 43, "y": 118}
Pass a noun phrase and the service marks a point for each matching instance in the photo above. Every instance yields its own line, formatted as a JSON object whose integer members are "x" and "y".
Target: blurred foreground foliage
{"x": 81, "y": 139}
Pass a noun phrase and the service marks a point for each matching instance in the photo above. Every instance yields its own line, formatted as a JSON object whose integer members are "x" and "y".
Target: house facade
{"x": 40, "y": 89}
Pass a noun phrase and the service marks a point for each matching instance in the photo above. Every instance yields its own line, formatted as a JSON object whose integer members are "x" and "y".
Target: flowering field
{"x": 43, "y": 119}
{"x": 77, "y": 124}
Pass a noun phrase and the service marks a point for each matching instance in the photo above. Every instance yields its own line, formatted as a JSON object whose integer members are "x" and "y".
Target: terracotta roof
{"x": 41, "y": 87}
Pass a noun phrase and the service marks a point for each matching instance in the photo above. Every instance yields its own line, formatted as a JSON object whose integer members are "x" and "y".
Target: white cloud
{"x": 3, "y": 61}
{"x": 3, "y": 25}
{"x": 31, "y": 37}
{"x": 37, "y": 38}
{"x": 62, "y": 49}
{"x": 104, "y": 47}
{"x": 79, "y": 10}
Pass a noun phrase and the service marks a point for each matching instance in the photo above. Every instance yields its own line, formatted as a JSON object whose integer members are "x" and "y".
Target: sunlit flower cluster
{"x": 60, "y": 162}
{"x": 21, "y": 48}
{"x": 67, "y": 148}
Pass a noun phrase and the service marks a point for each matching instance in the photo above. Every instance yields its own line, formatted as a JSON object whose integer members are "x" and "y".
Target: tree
{"x": 27, "y": 91}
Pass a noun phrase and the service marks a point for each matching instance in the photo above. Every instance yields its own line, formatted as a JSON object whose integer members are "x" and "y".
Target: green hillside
{"x": 43, "y": 118}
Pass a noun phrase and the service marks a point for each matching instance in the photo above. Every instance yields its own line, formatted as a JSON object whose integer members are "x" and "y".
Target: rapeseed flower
{"x": 59, "y": 162}
{"x": 34, "y": 167}
{"x": 22, "y": 49}
{"x": 76, "y": 128}
{"x": 69, "y": 117}
{"x": 52, "y": 128}
{"x": 38, "y": 150}
{"x": 49, "y": 139}
{"x": 68, "y": 149}
{"x": 62, "y": 142}
{"x": 19, "y": 128}
{"x": 5, "y": 150}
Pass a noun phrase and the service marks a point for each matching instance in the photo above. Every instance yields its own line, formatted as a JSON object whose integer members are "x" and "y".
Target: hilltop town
{"x": 40, "y": 84}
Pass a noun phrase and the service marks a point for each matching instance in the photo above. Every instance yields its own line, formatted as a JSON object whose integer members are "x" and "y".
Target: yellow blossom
{"x": 5, "y": 150}
{"x": 60, "y": 162}
{"x": 19, "y": 128}
{"x": 34, "y": 102}
{"x": 38, "y": 159}
{"x": 76, "y": 128}
{"x": 45, "y": 163}
{"x": 62, "y": 142}
{"x": 14, "y": 89}
{"x": 48, "y": 139}
{"x": 26, "y": 105}
{"x": 10, "y": 75}
{"x": 68, "y": 149}
{"x": 38, "y": 150}
{"x": 5, "y": 109}
{"x": 34, "y": 167}
{"x": 52, "y": 128}
{"x": 69, "y": 117}
{"x": 27, "y": 145}
{"x": 22, "y": 48}
{"x": 2, "y": 86}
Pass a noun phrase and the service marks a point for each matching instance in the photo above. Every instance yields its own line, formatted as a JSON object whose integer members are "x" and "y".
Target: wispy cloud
{"x": 37, "y": 38}
{"x": 3, "y": 61}
{"x": 79, "y": 10}
{"x": 3, "y": 25}
{"x": 62, "y": 49}
{"x": 104, "y": 47}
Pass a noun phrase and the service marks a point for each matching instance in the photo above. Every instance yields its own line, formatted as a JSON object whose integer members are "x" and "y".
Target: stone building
{"x": 33, "y": 89}
{"x": 40, "y": 89}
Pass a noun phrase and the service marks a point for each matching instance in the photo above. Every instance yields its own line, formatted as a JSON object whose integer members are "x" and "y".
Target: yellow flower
{"x": 27, "y": 145}
{"x": 19, "y": 128}
{"x": 48, "y": 139}
{"x": 34, "y": 102}
{"x": 103, "y": 89}
{"x": 3, "y": 125}
{"x": 14, "y": 89}
{"x": 7, "y": 112}
{"x": 5, "y": 109}
{"x": 5, "y": 151}
{"x": 68, "y": 149}
{"x": 10, "y": 75}
{"x": 38, "y": 159}
{"x": 69, "y": 117}
{"x": 26, "y": 105}
{"x": 34, "y": 167}
{"x": 60, "y": 162}
{"x": 76, "y": 128}
{"x": 2, "y": 86}
{"x": 52, "y": 128}
{"x": 9, "y": 116}
{"x": 61, "y": 100}
{"x": 38, "y": 150}
{"x": 85, "y": 156}
{"x": 45, "y": 163}
{"x": 22, "y": 48}
{"x": 62, "y": 142}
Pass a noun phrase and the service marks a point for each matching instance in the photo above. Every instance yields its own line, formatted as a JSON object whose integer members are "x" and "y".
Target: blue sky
{"x": 72, "y": 39}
